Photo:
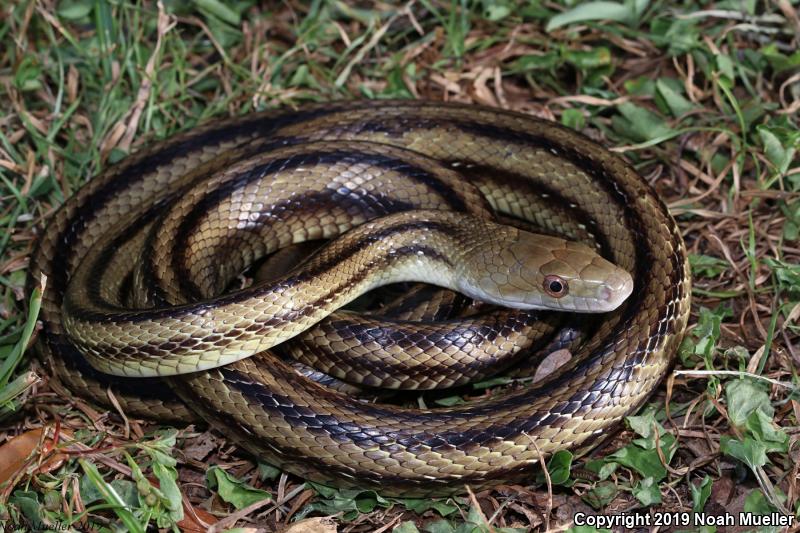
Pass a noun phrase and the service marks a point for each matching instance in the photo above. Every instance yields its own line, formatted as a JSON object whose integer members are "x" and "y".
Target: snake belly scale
{"x": 498, "y": 162}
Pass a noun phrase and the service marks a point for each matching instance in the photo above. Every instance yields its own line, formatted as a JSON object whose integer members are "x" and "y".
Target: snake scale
{"x": 407, "y": 179}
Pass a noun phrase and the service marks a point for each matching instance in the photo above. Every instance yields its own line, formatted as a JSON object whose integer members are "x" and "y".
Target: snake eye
{"x": 555, "y": 286}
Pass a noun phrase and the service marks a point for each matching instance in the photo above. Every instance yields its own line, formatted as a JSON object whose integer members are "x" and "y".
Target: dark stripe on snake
{"x": 314, "y": 269}
{"x": 104, "y": 257}
{"x": 147, "y": 161}
{"x": 373, "y": 206}
{"x": 404, "y": 335}
{"x": 141, "y": 387}
{"x": 540, "y": 188}
{"x": 147, "y": 349}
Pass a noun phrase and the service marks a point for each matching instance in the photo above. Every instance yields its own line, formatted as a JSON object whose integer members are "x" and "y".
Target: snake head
{"x": 529, "y": 271}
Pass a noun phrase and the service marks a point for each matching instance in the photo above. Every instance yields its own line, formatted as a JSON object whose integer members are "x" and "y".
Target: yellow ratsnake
{"x": 145, "y": 266}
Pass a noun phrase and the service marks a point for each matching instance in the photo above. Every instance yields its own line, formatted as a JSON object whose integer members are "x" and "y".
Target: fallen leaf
{"x": 190, "y": 524}
{"x": 551, "y": 363}
{"x": 324, "y": 524}
{"x": 17, "y": 452}
{"x": 199, "y": 447}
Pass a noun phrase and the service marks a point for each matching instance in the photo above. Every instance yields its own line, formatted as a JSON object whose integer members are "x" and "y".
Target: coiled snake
{"x": 142, "y": 265}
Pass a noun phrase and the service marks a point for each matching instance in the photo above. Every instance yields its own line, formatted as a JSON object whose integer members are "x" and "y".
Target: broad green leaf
{"x": 27, "y": 75}
{"x": 639, "y": 124}
{"x": 449, "y": 401}
{"x": 679, "y": 36}
{"x": 645, "y": 459}
{"x": 757, "y": 503}
{"x": 74, "y": 10}
{"x": 779, "y": 155}
{"x": 475, "y": 524}
{"x": 791, "y": 229}
{"x": 749, "y": 451}
{"x": 601, "y": 467}
{"x": 439, "y": 526}
{"x": 753, "y": 111}
{"x": 496, "y": 10}
{"x": 573, "y": 118}
{"x": 168, "y": 485}
{"x": 606, "y": 470}
{"x": 788, "y": 274}
{"x": 593, "y": 11}
{"x": 220, "y": 10}
{"x": 236, "y": 492}
{"x": 405, "y": 527}
{"x": 598, "y": 56}
{"x": 28, "y": 503}
{"x": 267, "y": 472}
{"x": 641, "y": 86}
{"x": 645, "y": 425}
{"x": 350, "y": 502}
{"x": 707, "y": 266}
{"x": 779, "y": 61}
{"x": 678, "y": 105}
{"x": 302, "y": 77}
{"x": 764, "y": 429}
{"x": 647, "y": 492}
{"x": 226, "y": 33}
{"x": 745, "y": 396}
{"x": 559, "y": 467}
{"x": 700, "y": 494}
{"x": 112, "y": 497}
{"x": 546, "y": 61}
{"x": 646, "y": 462}
{"x": 725, "y": 66}
{"x": 703, "y": 338}
{"x": 323, "y": 490}
{"x": 601, "y": 494}
{"x": 124, "y": 487}
{"x": 474, "y": 516}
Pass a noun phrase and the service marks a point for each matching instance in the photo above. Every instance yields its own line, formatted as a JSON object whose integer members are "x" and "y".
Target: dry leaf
{"x": 190, "y": 524}
{"x": 16, "y": 453}
{"x": 551, "y": 363}
{"x": 313, "y": 525}
{"x": 198, "y": 448}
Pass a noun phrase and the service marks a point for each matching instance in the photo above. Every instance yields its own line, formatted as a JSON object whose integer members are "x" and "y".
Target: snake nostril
{"x": 605, "y": 294}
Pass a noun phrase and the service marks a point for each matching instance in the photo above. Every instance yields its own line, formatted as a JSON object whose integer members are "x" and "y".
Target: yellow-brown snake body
{"x": 525, "y": 169}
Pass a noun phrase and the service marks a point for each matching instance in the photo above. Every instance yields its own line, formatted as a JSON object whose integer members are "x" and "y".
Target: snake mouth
{"x": 603, "y": 299}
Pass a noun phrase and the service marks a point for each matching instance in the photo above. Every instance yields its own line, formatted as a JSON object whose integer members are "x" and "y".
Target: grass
{"x": 702, "y": 98}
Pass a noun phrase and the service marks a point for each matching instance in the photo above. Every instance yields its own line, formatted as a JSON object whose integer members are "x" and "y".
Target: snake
{"x": 151, "y": 297}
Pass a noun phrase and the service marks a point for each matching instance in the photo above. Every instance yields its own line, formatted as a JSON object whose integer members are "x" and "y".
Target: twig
{"x": 231, "y": 519}
{"x": 478, "y": 509}
{"x": 702, "y": 373}
{"x": 548, "y": 481}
